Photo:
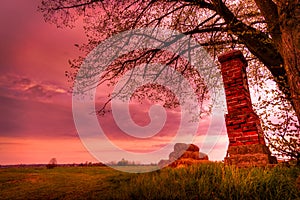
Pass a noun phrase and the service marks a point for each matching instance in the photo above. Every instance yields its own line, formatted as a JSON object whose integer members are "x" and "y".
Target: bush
{"x": 52, "y": 163}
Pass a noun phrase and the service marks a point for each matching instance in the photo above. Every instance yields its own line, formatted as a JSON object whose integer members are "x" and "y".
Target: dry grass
{"x": 205, "y": 181}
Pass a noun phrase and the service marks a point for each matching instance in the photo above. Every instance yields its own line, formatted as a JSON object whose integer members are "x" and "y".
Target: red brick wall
{"x": 243, "y": 125}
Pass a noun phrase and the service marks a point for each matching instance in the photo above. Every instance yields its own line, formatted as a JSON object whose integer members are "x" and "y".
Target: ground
{"x": 205, "y": 181}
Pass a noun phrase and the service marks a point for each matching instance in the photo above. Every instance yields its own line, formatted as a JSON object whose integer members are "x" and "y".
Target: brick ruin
{"x": 246, "y": 142}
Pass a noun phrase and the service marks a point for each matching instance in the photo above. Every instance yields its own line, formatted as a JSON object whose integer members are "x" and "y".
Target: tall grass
{"x": 212, "y": 181}
{"x": 205, "y": 181}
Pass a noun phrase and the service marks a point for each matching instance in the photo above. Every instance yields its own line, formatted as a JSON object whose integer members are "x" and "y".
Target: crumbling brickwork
{"x": 246, "y": 142}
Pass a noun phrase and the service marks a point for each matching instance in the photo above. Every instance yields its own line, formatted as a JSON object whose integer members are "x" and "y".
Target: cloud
{"x": 26, "y": 118}
{"x": 16, "y": 86}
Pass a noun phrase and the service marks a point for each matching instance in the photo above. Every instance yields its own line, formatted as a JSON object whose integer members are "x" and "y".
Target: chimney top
{"x": 233, "y": 54}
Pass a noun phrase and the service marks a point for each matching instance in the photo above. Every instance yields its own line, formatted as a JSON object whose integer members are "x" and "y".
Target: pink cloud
{"x": 22, "y": 87}
{"x": 31, "y": 47}
{"x": 36, "y": 116}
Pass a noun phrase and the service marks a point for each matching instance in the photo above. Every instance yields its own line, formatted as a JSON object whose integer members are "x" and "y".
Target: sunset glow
{"x": 36, "y": 107}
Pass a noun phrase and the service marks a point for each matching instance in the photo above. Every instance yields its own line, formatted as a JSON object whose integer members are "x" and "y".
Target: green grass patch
{"x": 206, "y": 181}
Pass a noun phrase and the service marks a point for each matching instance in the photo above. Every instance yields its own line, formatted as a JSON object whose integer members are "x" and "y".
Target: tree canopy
{"x": 266, "y": 31}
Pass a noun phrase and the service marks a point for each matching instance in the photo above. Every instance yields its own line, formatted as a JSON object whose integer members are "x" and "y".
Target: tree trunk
{"x": 289, "y": 20}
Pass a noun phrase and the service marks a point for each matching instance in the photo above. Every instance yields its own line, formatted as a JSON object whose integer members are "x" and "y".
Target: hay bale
{"x": 163, "y": 163}
{"x": 203, "y": 156}
{"x": 178, "y": 147}
{"x": 193, "y": 148}
{"x": 184, "y": 155}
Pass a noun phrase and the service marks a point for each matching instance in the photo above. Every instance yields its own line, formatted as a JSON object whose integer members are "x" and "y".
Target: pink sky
{"x": 36, "y": 112}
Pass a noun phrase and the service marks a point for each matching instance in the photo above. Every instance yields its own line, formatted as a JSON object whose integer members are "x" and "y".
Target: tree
{"x": 267, "y": 31}
{"x": 52, "y": 163}
{"x": 281, "y": 130}
{"x": 123, "y": 162}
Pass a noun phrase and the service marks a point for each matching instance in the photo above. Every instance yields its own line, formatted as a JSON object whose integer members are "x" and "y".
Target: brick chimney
{"x": 246, "y": 141}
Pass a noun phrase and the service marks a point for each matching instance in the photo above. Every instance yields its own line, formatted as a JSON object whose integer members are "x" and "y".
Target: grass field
{"x": 206, "y": 181}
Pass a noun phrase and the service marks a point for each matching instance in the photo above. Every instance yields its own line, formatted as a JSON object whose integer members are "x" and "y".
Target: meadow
{"x": 205, "y": 181}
